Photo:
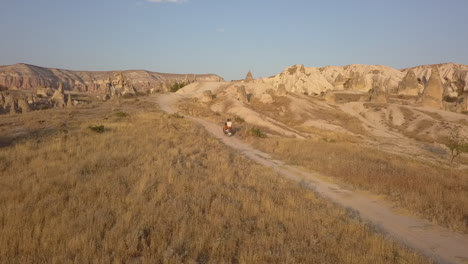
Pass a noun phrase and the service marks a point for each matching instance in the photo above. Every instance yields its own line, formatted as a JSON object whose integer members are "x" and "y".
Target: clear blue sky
{"x": 229, "y": 37}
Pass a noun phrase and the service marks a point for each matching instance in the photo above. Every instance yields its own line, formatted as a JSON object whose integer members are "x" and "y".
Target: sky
{"x": 231, "y": 37}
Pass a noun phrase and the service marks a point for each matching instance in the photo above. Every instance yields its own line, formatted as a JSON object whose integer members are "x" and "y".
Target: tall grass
{"x": 156, "y": 189}
{"x": 437, "y": 193}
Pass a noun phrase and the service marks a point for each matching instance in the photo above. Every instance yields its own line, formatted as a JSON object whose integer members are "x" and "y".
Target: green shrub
{"x": 121, "y": 114}
{"x": 176, "y": 115}
{"x": 256, "y": 132}
{"x": 239, "y": 120}
{"x": 97, "y": 129}
{"x": 178, "y": 85}
{"x": 456, "y": 143}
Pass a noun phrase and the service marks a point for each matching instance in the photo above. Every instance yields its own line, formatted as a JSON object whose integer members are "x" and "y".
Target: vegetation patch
{"x": 149, "y": 193}
{"x": 176, "y": 115}
{"x": 434, "y": 192}
{"x": 97, "y": 128}
{"x": 121, "y": 114}
{"x": 256, "y": 132}
{"x": 178, "y": 85}
{"x": 239, "y": 120}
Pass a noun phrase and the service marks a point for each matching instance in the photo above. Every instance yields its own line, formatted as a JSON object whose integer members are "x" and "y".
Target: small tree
{"x": 456, "y": 143}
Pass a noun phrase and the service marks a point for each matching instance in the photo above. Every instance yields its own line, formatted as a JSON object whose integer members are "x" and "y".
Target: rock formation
{"x": 249, "y": 77}
{"x": 44, "y": 92}
{"x": 433, "y": 92}
{"x": 281, "y": 91}
{"x": 9, "y": 101}
{"x": 329, "y": 97}
{"x": 24, "y": 106}
{"x": 409, "y": 85}
{"x": 242, "y": 94}
{"x": 376, "y": 95}
{"x": 207, "y": 97}
{"x": 59, "y": 97}
{"x": 266, "y": 98}
{"x": 69, "y": 101}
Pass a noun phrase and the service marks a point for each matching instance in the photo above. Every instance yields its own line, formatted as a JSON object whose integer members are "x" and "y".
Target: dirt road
{"x": 441, "y": 244}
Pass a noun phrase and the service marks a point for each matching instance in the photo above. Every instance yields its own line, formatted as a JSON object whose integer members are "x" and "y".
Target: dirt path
{"x": 441, "y": 244}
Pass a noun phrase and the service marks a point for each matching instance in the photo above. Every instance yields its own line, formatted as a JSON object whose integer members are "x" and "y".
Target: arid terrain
{"x": 323, "y": 165}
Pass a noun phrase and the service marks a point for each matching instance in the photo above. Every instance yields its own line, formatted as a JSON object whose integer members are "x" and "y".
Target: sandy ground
{"x": 441, "y": 244}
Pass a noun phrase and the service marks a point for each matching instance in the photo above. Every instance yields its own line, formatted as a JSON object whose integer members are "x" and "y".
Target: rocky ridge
{"x": 29, "y": 77}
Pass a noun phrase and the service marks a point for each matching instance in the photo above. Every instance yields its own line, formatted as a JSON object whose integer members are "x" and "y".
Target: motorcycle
{"x": 227, "y": 131}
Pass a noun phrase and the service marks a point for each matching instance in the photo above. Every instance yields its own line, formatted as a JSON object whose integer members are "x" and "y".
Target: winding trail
{"x": 440, "y": 244}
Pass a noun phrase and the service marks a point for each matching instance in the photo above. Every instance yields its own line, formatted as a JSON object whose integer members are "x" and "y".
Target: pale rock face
{"x": 207, "y": 96}
{"x": 462, "y": 106}
{"x": 433, "y": 93}
{"x": 249, "y": 77}
{"x": 299, "y": 79}
{"x": 242, "y": 94}
{"x": 281, "y": 91}
{"x": 329, "y": 97}
{"x": 266, "y": 98}
{"x": 409, "y": 85}
{"x": 24, "y": 106}
{"x": 69, "y": 101}
{"x": 59, "y": 97}
{"x": 9, "y": 101}
{"x": 376, "y": 95}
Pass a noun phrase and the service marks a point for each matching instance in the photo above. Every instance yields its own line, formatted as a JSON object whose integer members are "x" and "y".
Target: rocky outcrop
{"x": 59, "y": 97}
{"x": 242, "y": 94}
{"x": 266, "y": 98}
{"x": 44, "y": 92}
{"x": 310, "y": 80}
{"x": 249, "y": 77}
{"x": 123, "y": 86}
{"x": 207, "y": 96}
{"x": 30, "y": 77}
{"x": 433, "y": 92}
{"x": 329, "y": 97}
{"x": 69, "y": 101}
{"x": 281, "y": 91}
{"x": 409, "y": 85}
{"x": 376, "y": 95}
{"x": 9, "y": 101}
{"x": 24, "y": 106}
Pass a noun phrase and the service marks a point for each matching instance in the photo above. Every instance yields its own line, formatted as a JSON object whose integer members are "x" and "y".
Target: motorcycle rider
{"x": 228, "y": 126}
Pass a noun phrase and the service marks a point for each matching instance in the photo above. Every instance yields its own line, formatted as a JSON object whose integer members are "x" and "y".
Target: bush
{"x": 256, "y": 132}
{"x": 178, "y": 85}
{"x": 239, "y": 120}
{"x": 456, "y": 143}
{"x": 177, "y": 115}
{"x": 121, "y": 114}
{"x": 97, "y": 129}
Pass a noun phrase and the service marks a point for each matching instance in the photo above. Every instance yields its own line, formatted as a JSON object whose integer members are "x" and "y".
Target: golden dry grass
{"x": 437, "y": 193}
{"x": 157, "y": 189}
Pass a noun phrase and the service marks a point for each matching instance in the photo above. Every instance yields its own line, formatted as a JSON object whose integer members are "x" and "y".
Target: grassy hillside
{"x": 148, "y": 187}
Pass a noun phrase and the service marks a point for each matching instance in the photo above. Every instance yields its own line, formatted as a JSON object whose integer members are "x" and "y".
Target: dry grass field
{"x": 437, "y": 193}
{"x": 148, "y": 187}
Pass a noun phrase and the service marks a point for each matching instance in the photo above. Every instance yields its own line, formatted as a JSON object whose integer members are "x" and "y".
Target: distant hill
{"x": 29, "y": 77}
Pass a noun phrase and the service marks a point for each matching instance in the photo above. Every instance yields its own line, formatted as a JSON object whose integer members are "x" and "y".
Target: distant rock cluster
{"x": 443, "y": 86}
